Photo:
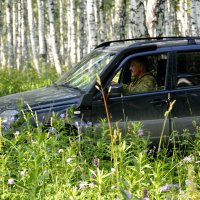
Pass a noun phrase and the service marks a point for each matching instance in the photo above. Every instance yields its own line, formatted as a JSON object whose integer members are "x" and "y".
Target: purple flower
{"x": 164, "y": 188}
{"x": 187, "y": 182}
{"x": 145, "y": 192}
{"x": 62, "y": 115}
{"x": 188, "y": 159}
{"x": 11, "y": 181}
{"x": 96, "y": 161}
{"x": 141, "y": 132}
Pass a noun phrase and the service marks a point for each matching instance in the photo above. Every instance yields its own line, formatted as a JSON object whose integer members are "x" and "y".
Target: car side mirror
{"x": 116, "y": 90}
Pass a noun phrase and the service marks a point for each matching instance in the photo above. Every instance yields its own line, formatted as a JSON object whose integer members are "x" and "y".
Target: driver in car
{"x": 142, "y": 79}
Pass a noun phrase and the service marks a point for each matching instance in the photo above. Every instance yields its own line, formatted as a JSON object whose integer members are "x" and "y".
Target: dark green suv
{"x": 174, "y": 62}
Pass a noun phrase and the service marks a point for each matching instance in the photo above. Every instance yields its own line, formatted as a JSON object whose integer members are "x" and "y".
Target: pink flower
{"x": 11, "y": 181}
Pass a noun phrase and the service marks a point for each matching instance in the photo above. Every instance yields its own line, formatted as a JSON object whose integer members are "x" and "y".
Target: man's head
{"x": 138, "y": 66}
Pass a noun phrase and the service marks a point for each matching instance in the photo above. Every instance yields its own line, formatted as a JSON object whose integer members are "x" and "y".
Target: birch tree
{"x": 41, "y": 30}
{"x": 61, "y": 16}
{"x": 139, "y": 24}
{"x": 120, "y": 19}
{"x": 14, "y": 30}
{"x": 194, "y": 20}
{"x": 102, "y": 23}
{"x": 9, "y": 34}
{"x": 73, "y": 31}
{"x": 32, "y": 34}
{"x": 53, "y": 40}
{"x": 1, "y": 33}
{"x": 92, "y": 29}
{"x": 81, "y": 24}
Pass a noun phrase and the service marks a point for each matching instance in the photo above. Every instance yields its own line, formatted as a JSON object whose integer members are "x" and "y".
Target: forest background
{"x": 59, "y": 33}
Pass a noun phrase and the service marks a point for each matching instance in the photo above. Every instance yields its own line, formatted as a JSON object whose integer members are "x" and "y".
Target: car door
{"x": 186, "y": 91}
{"x": 146, "y": 107}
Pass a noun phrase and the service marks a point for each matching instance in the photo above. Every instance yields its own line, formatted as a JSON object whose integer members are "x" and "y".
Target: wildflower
{"x": 91, "y": 185}
{"x": 146, "y": 198}
{"x": 60, "y": 151}
{"x": 145, "y": 192}
{"x": 69, "y": 160}
{"x": 62, "y": 115}
{"x": 17, "y": 133}
{"x": 22, "y": 173}
{"x": 113, "y": 187}
{"x": 164, "y": 188}
{"x": 188, "y": 159}
{"x": 113, "y": 170}
{"x": 96, "y": 161}
{"x": 82, "y": 185}
{"x": 11, "y": 181}
{"x": 52, "y": 130}
{"x": 187, "y": 182}
{"x": 45, "y": 171}
{"x": 128, "y": 194}
{"x": 141, "y": 132}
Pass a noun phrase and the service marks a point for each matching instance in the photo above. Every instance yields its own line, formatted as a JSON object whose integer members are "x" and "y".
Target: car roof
{"x": 117, "y": 45}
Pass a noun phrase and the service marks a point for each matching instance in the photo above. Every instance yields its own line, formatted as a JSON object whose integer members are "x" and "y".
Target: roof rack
{"x": 191, "y": 40}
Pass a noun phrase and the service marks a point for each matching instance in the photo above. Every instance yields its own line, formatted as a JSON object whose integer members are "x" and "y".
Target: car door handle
{"x": 158, "y": 102}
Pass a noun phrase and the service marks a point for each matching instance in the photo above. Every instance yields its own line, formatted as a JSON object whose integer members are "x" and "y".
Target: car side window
{"x": 188, "y": 69}
{"x": 156, "y": 67}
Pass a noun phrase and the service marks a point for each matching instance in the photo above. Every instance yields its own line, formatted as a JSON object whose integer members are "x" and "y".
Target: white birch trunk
{"x": 150, "y": 17}
{"x": 54, "y": 46}
{"x": 119, "y": 20}
{"x": 1, "y": 35}
{"x": 24, "y": 48}
{"x": 198, "y": 16}
{"x": 92, "y": 29}
{"x": 14, "y": 25}
{"x": 61, "y": 16}
{"x": 9, "y": 34}
{"x": 139, "y": 24}
{"x": 68, "y": 33}
{"x": 19, "y": 47}
{"x": 81, "y": 37}
{"x": 32, "y": 34}
{"x": 194, "y": 21}
{"x": 131, "y": 19}
{"x": 41, "y": 32}
{"x": 102, "y": 29}
{"x": 73, "y": 32}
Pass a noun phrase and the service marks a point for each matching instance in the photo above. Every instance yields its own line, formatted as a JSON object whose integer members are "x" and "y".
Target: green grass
{"x": 50, "y": 164}
{"x": 13, "y": 80}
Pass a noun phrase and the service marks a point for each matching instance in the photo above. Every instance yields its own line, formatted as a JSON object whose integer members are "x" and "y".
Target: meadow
{"x": 56, "y": 164}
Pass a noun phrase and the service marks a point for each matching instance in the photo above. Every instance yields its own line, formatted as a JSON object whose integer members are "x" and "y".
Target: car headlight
{"x": 8, "y": 117}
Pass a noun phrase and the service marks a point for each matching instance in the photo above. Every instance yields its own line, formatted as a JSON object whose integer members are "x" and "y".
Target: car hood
{"x": 46, "y": 96}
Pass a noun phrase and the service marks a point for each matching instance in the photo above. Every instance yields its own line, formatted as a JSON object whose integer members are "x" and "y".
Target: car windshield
{"x": 83, "y": 74}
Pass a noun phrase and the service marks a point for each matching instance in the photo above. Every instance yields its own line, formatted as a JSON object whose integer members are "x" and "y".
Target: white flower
{"x": 113, "y": 187}
{"x": 60, "y": 151}
{"x": 17, "y": 133}
{"x": 22, "y": 173}
{"x": 113, "y": 170}
{"x": 69, "y": 160}
{"x": 11, "y": 181}
{"x": 82, "y": 185}
{"x": 91, "y": 185}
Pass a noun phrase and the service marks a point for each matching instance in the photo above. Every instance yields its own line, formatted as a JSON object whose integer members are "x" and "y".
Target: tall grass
{"x": 53, "y": 164}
